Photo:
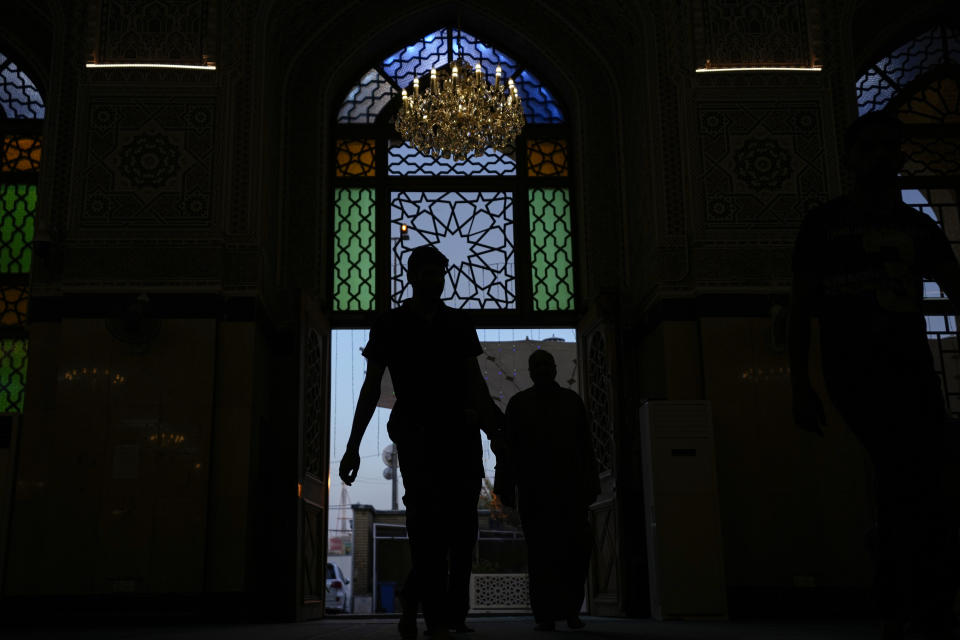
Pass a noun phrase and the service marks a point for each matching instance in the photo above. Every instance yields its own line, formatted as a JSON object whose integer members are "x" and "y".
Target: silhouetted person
{"x": 431, "y": 351}
{"x": 550, "y": 463}
{"x": 859, "y": 264}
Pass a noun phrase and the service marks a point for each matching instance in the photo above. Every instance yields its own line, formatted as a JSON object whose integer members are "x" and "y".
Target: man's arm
{"x": 366, "y": 405}
{"x": 488, "y": 413}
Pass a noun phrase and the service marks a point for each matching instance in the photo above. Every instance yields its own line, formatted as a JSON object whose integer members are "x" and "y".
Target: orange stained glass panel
{"x": 355, "y": 158}
{"x": 20, "y": 153}
{"x": 939, "y": 102}
{"x": 13, "y": 306}
{"x": 547, "y": 158}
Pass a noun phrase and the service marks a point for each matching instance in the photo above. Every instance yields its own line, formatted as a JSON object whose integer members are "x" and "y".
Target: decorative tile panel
{"x": 763, "y": 162}
{"x": 148, "y": 163}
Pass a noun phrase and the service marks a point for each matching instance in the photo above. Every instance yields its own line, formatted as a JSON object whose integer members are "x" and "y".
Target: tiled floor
{"x": 488, "y": 628}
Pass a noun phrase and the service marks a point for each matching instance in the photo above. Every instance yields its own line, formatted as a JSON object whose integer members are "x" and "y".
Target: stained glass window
{"x": 473, "y": 229}
{"x": 13, "y": 374}
{"x": 547, "y": 157}
{"x": 538, "y": 103}
{"x": 389, "y": 198}
{"x": 404, "y": 160}
{"x": 19, "y": 97}
{"x": 354, "y": 250}
{"x": 937, "y": 103}
{"x": 366, "y": 98}
{"x": 13, "y": 305}
{"x": 20, "y": 153}
{"x": 551, "y": 249}
{"x": 356, "y": 158}
{"x": 18, "y": 202}
{"x": 887, "y": 78}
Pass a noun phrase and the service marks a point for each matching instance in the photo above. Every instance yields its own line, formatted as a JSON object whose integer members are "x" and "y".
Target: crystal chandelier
{"x": 456, "y": 116}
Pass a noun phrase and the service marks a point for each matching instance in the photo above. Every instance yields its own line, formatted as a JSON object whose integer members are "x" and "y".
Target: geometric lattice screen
{"x": 18, "y": 205}
{"x": 484, "y": 213}
{"x": 551, "y": 249}
{"x": 599, "y": 400}
{"x": 13, "y": 374}
{"x": 354, "y": 236}
{"x": 474, "y": 229}
{"x": 21, "y": 147}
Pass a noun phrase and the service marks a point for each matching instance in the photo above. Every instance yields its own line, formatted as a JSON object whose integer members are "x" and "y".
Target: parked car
{"x": 338, "y": 596}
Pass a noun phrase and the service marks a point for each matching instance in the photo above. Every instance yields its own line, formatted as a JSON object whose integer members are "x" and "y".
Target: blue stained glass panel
{"x": 538, "y": 104}
{"x": 913, "y": 58}
{"x": 417, "y": 59}
{"x": 366, "y": 98}
{"x": 873, "y": 91}
{"x": 489, "y": 57}
{"x": 19, "y": 97}
{"x": 404, "y": 160}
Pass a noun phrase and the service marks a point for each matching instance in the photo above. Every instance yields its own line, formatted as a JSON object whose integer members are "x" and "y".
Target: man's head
{"x": 873, "y": 148}
{"x": 426, "y": 270}
{"x": 543, "y": 368}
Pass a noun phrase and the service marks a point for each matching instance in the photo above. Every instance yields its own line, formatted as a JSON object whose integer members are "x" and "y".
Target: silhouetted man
{"x": 859, "y": 265}
{"x": 551, "y": 464}
{"x": 431, "y": 351}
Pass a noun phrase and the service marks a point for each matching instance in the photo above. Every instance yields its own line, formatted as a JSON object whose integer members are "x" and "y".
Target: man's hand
{"x": 808, "y": 411}
{"x": 498, "y": 444}
{"x": 349, "y": 466}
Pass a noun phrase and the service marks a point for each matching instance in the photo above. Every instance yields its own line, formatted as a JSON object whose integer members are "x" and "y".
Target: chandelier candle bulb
{"x": 459, "y": 117}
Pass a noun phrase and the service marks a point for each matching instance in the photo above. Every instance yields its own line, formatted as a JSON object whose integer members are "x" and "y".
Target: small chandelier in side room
{"x": 459, "y": 115}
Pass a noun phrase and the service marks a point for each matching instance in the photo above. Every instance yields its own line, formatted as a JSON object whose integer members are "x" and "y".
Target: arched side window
{"x": 21, "y": 119}
{"x": 919, "y": 82}
{"x": 503, "y": 219}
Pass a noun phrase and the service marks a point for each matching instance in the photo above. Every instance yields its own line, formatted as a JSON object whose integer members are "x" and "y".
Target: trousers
{"x": 442, "y": 528}
{"x": 916, "y": 528}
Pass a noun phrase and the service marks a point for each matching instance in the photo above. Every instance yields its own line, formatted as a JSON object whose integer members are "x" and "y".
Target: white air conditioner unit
{"x": 684, "y": 544}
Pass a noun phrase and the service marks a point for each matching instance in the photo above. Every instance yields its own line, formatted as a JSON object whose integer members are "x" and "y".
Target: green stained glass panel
{"x": 551, "y": 249}
{"x": 13, "y": 374}
{"x": 354, "y": 272}
{"x": 18, "y": 203}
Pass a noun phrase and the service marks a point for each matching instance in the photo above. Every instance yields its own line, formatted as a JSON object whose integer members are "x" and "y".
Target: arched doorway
{"x": 330, "y": 57}
{"x": 503, "y": 219}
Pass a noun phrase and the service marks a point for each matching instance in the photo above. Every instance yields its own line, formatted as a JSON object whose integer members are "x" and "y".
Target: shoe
{"x": 407, "y": 628}
{"x": 545, "y": 626}
{"x": 437, "y": 634}
{"x": 574, "y": 622}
